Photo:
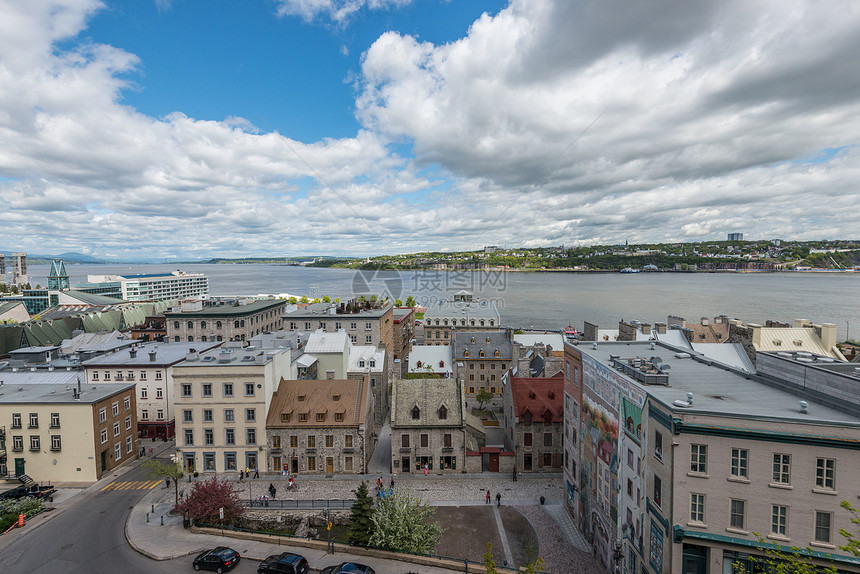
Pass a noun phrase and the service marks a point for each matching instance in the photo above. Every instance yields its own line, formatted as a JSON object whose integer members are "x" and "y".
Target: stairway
{"x": 24, "y": 479}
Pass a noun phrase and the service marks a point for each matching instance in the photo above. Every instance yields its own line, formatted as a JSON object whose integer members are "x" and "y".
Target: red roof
{"x": 541, "y": 396}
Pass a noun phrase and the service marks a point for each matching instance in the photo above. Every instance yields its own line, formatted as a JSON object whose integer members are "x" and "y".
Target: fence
{"x": 293, "y": 504}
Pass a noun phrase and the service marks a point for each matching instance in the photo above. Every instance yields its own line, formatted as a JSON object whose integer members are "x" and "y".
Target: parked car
{"x": 218, "y": 559}
{"x": 348, "y": 568}
{"x": 284, "y": 563}
{"x": 34, "y": 490}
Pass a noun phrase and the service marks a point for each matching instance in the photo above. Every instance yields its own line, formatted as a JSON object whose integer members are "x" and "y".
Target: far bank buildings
{"x": 675, "y": 459}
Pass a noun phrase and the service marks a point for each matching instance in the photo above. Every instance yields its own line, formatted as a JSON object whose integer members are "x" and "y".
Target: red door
{"x": 494, "y": 462}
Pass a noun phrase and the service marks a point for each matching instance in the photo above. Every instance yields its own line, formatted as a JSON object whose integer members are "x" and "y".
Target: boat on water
{"x": 629, "y": 270}
{"x": 570, "y": 333}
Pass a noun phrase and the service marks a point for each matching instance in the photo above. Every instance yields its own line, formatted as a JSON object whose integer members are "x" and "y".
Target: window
{"x": 190, "y": 339}
{"x": 416, "y": 413}
{"x": 208, "y": 437}
{"x": 825, "y": 470}
{"x": 312, "y": 463}
{"x": 144, "y": 415}
{"x": 329, "y": 441}
{"x": 143, "y": 375}
{"x": 276, "y": 443}
{"x": 229, "y": 436}
{"x": 35, "y": 443}
{"x": 202, "y": 324}
{"x": 17, "y": 443}
{"x": 347, "y": 441}
{"x": 353, "y": 339}
{"x": 368, "y": 326}
{"x": 338, "y": 417}
{"x": 228, "y": 389}
{"x": 303, "y": 417}
{"x": 126, "y": 403}
{"x": 56, "y": 442}
{"x": 230, "y": 461}
{"x": 251, "y": 435}
{"x": 186, "y": 390}
{"x": 312, "y": 441}
{"x": 127, "y": 423}
{"x": 114, "y": 409}
{"x": 294, "y": 441}
{"x": 228, "y": 415}
{"x": 249, "y": 389}
{"x": 103, "y": 436}
{"x": 425, "y": 440}
{"x": 779, "y": 520}
{"x": 159, "y": 392}
{"x": 189, "y": 437}
{"x": 740, "y": 463}
{"x": 822, "y": 526}
{"x": 128, "y": 445}
{"x": 189, "y": 324}
{"x": 16, "y": 420}
{"x": 527, "y": 439}
{"x": 699, "y": 458}
{"x": 159, "y": 414}
{"x": 143, "y": 393}
{"x": 107, "y": 375}
{"x": 207, "y": 389}
{"x": 347, "y": 463}
{"x": 218, "y": 325}
{"x": 781, "y": 468}
{"x": 102, "y": 414}
{"x": 404, "y": 441}
{"x": 187, "y": 416}
{"x": 55, "y": 420}
{"x": 658, "y": 491}
{"x": 207, "y": 415}
{"x": 176, "y": 324}
{"x": 117, "y": 451}
{"x": 737, "y": 518}
{"x": 95, "y": 375}
{"x": 157, "y": 375}
{"x": 250, "y": 415}
{"x": 658, "y": 445}
{"x": 547, "y": 439}
{"x": 630, "y": 458}
{"x": 368, "y": 339}
{"x": 446, "y": 440}
{"x": 353, "y": 325}
{"x": 338, "y": 325}
{"x": 697, "y": 508}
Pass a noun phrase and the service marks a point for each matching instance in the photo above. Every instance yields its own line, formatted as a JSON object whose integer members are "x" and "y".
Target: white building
{"x": 157, "y": 286}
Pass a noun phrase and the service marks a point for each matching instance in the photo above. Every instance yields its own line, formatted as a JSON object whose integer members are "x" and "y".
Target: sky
{"x": 181, "y": 129}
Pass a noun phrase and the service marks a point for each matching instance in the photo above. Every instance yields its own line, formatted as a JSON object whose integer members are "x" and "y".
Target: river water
{"x": 550, "y": 300}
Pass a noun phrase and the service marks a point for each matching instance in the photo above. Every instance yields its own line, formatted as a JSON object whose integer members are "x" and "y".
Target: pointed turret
{"x": 58, "y": 279}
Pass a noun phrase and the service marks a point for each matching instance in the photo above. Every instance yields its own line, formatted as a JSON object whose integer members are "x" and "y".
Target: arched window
{"x": 443, "y": 412}
{"x": 236, "y": 324}
{"x": 497, "y": 354}
{"x": 190, "y": 324}
{"x": 463, "y": 322}
{"x": 219, "y": 338}
{"x": 466, "y": 354}
{"x": 416, "y": 413}
{"x": 491, "y": 322}
{"x": 445, "y": 322}
{"x": 203, "y": 338}
{"x": 217, "y": 324}
{"x": 472, "y": 322}
{"x": 482, "y": 322}
{"x": 176, "y": 324}
{"x": 202, "y": 324}
{"x": 242, "y": 323}
{"x": 481, "y": 354}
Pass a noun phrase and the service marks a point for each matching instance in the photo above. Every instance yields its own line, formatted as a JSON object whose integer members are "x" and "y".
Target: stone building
{"x": 428, "y": 426}
{"x": 236, "y": 321}
{"x": 534, "y": 414}
{"x": 365, "y": 323}
{"x": 321, "y": 427}
{"x": 463, "y": 312}
{"x": 404, "y": 332}
{"x": 481, "y": 358}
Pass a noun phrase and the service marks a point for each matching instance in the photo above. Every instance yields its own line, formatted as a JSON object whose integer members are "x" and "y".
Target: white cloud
{"x": 338, "y": 11}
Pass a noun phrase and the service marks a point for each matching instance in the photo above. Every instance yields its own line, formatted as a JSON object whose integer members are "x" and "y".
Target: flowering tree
{"x": 165, "y": 469}
{"x": 206, "y": 499}
{"x": 402, "y": 524}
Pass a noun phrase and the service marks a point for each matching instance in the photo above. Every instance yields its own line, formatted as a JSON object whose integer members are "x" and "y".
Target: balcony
{"x": 275, "y": 450}
{"x": 447, "y": 449}
{"x": 348, "y": 450}
{"x": 405, "y": 449}
{"x": 310, "y": 451}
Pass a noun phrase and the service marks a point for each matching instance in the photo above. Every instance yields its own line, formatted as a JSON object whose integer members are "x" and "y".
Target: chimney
{"x": 191, "y": 355}
{"x": 828, "y": 336}
{"x": 132, "y": 353}
{"x": 756, "y": 333}
{"x": 152, "y": 355}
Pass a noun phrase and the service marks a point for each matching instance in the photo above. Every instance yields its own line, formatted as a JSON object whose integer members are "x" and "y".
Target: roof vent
{"x": 651, "y": 345}
{"x": 804, "y": 407}
{"x": 690, "y": 398}
{"x": 594, "y": 345}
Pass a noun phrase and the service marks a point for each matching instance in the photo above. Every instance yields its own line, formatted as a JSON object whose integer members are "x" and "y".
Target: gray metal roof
{"x": 323, "y": 310}
{"x": 229, "y": 310}
{"x": 165, "y": 354}
{"x": 476, "y": 341}
{"x": 24, "y": 376}
{"x": 58, "y": 394}
{"x": 717, "y": 388}
{"x": 463, "y": 309}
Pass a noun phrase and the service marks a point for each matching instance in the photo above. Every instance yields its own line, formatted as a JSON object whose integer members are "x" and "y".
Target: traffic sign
{"x": 328, "y": 528}
{"x": 221, "y": 513}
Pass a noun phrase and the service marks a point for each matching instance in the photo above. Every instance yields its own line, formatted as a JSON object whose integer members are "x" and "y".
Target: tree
{"x": 483, "y": 396}
{"x": 795, "y": 560}
{"x": 401, "y": 523}
{"x": 410, "y": 302}
{"x": 853, "y": 544}
{"x": 326, "y": 299}
{"x": 165, "y": 469}
{"x": 207, "y": 498}
{"x": 361, "y": 517}
{"x": 292, "y": 300}
{"x": 317, "y": 300}
{"x": 337, "y": 299}
{"x": 398, "y": 303}
{"x": 490, "y": 563}
{"x": 304, "y": 299}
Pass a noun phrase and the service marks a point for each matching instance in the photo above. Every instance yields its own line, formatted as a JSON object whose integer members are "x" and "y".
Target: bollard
{"x": 152, "y": 510}
{"x": 162, "y": 520}
{"x": 147, "y": 518}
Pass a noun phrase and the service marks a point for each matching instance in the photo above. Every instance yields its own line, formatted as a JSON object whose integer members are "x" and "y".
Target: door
{"x": 695, "y": 559}
{"x": 527, "y": 461}
{"x": 494, "y": 462}
{"x": 189, "y": 462}
{"x": 294, "y": 466}
{"x": 104, "y": 460}
{"x": 329, "y": 465}
{"x": 19, "y": 466}
{"x": 404, "y": 464}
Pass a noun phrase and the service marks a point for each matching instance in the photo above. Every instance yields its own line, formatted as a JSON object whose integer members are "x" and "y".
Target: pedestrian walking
{"x": 256, "y": 472}
{"x": 248, "y": 472}
{"x": 265, "y": 500}
{"x": 425, "y": 469}
{"x": 241, "y": 475}
{"x": 150, "y": 451}
{"x": 166, "y": 483}
{"x": 498, "y": 499}
{"x": 379, "y": 483}
{"x": 392, "y": 481}
{"x": 488, "y": 496}
{"x": 272, "y": 490}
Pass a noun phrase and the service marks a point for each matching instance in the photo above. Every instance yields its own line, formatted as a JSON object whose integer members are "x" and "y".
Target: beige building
{"x": 56, "y": 433}
{"x": 223, "y": 321}
{"x": 150, "y": 367}
{"x": 222, "y": 397}
{"x": 368, "y": 323}
{"x": 428, "y": 426}
{"x": 321, "y": 427}
{"x": 462, "y": 312}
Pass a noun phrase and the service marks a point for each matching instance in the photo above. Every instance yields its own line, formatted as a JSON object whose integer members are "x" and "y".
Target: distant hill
{"x": 69, "y": 257}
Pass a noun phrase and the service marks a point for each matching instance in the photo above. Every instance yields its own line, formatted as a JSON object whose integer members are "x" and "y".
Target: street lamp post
{"x": 618, "y": 555}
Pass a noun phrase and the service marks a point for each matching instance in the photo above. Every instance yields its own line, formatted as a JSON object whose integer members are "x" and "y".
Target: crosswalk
{"x": 132, "y": 485}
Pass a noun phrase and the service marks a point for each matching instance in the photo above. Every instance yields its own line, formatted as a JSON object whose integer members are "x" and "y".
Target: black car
{"x": 218, "y": 559}
{"x": 348, "y": 568}
{"x": 34, "y": 490}
{"x": 286, "y": 563}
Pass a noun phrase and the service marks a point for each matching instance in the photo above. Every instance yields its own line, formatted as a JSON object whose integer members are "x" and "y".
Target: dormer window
{"x": 473, "y": 340}
{"x": 416, "y": 413}
{"x": 372, "y": 363}
{"x": 302, "y": 397}
{"x": 441, "y": 364}
{"x": 497, "y": 354}
{"x": 482, "y": 322}
{"x": 361, "y": 363}
{"x": 335, "y": 398}
{"x": 320, "y": 417}
{"x": 285, "y": 417}
{"x": 466, "y": 354}
{"x": 481, "y": 353}
{"x": 443, "y": 412}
